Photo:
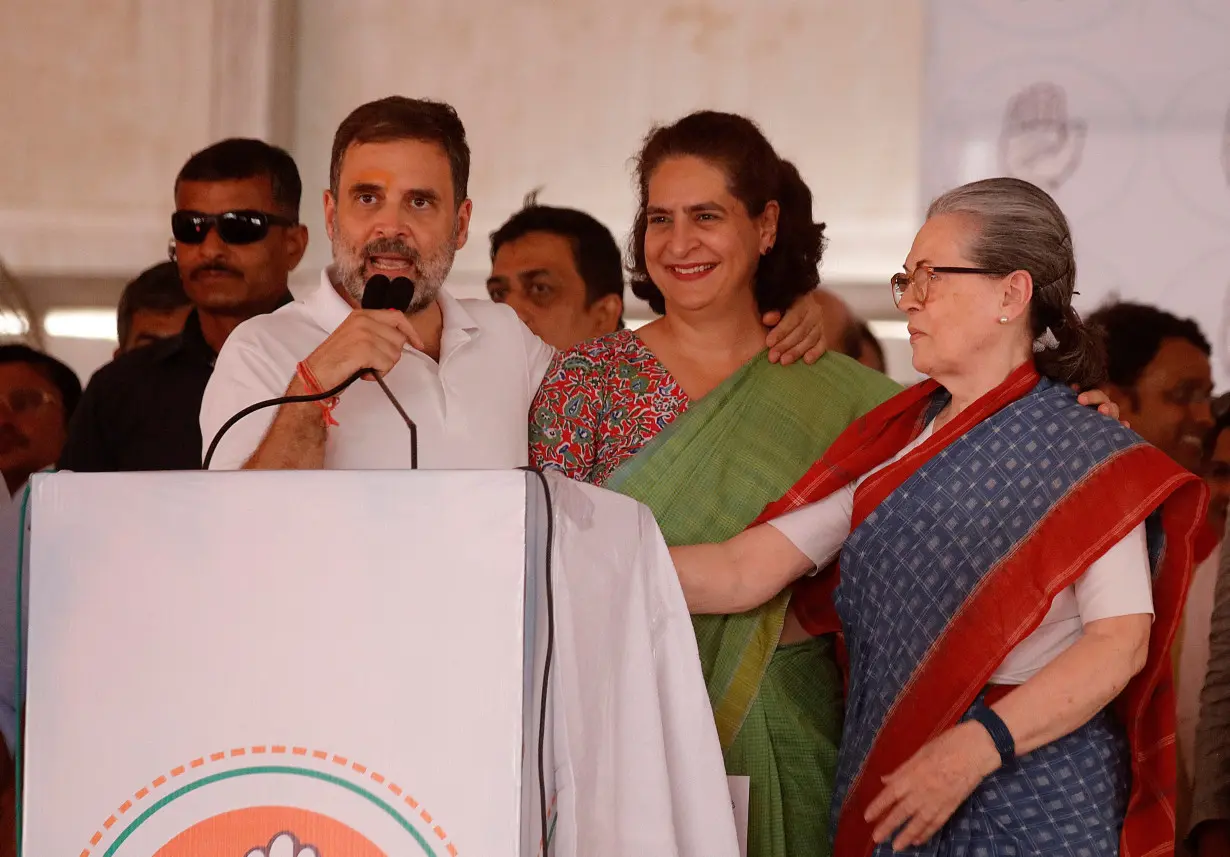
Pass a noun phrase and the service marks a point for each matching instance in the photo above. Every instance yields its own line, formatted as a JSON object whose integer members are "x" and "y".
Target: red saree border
{"x": 868, "y": 441}
{"x": 877, "y": 487}
{"x": 874, "y": 439}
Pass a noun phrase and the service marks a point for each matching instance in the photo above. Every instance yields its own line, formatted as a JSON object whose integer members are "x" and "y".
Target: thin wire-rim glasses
{"x": 920, "y": 279}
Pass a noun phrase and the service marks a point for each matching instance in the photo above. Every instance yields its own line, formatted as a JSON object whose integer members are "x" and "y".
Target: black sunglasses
{"x": 234, "y": 227}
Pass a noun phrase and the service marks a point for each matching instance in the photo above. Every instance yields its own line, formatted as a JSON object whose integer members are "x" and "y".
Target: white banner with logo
{"x": 336, "y": 664}
{"x": 1120, "y": 109}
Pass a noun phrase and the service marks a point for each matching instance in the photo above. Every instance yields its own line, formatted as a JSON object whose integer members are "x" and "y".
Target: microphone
{"x": 378, "y": 293}
{"x": 381, "y": 293}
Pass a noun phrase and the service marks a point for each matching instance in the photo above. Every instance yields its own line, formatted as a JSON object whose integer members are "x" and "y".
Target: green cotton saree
{"x": 706, "y": 477}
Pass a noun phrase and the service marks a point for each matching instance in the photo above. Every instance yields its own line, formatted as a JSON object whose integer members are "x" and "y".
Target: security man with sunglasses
{"x": 237, "y": 237}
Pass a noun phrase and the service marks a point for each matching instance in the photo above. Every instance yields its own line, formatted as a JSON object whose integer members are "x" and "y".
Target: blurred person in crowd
{"x": 1217, "y": 463}
{"x": 837, "y": 319}
{"x": 237, "y": 237}
{"x": 1158, "y": 373}
{"x": 1206, "y": 827}
{"x": 861, "y": 344}
{"x": 153, "y": 307}
{"x": 1191, "y": 646}
{"x": 561, "y": 271}
{"x": 38, "y": 395}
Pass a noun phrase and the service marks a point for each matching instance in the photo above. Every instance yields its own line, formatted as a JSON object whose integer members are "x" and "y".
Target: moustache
{"x": 214, "y": 265}
{"x": 11, "y": 438}
{"x": 390, "y": 247}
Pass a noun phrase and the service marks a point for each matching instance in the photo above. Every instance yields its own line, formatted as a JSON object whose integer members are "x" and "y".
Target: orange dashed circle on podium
{"x": 270, "y": 801}
{"x": 255, "y": 830}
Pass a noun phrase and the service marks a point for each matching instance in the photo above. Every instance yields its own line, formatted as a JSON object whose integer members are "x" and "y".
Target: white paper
{"x": 740, "y": 798}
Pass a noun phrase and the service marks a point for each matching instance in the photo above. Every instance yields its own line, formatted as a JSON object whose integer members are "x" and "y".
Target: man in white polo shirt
{"x": 465, "y": 370}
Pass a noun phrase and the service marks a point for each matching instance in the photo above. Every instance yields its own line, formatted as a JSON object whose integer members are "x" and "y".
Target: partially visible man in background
{"x": 561, "y": 272}
{"x": 1191, "y": 645}
{"x": 38, "y": 395}
{"x": 1217, "y": 463}
{"x": 152, "y": 307}
{"x": 1160, "y": 376}
{"x": 838, "y": 319}
{"x": 1158, "y": 373}
{"x": 1206, "y": 827}
{"x": 237, "y": 238}
{"x": 861, "y": 344}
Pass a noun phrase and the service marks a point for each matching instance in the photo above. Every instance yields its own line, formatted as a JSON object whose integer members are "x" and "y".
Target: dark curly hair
{"x": 756, "y": 176}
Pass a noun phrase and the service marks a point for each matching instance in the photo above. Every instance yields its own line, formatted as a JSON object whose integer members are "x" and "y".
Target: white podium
{"x": 319, "y": 664}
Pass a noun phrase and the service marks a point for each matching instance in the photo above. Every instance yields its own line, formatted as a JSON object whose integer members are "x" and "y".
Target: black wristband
{"x": 1005, "y": 745}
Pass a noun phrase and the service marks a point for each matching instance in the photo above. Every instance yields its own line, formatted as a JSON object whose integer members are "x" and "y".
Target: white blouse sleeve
{"x": 1119, "y": 583}
{"x": 819, "y": 529}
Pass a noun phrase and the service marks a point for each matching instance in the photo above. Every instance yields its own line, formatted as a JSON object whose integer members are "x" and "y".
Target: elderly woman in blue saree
{"x": 1010, "y": 567}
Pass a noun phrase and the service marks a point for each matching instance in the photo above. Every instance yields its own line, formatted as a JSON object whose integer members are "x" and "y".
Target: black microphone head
{"x": 400, "y": 294}
{"x": 376, "y": 292}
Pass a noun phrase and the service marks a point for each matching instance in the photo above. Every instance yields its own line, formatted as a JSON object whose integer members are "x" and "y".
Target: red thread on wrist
{"x": 308, "y": 377}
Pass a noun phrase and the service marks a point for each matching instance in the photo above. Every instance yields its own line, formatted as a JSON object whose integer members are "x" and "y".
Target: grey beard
{"x": 425, "y": 295}
{"x": 432, "y": 272}
{"x": 351, "y": 280}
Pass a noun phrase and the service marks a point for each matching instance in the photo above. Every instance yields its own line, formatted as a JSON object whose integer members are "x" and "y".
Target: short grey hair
{"x": 1019, "y": 227}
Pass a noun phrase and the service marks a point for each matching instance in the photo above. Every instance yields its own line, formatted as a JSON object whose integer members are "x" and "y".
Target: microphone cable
{"x": 319, "y": 397}
{"x": 549, "y": 654}
{"x": 378, "y": 293}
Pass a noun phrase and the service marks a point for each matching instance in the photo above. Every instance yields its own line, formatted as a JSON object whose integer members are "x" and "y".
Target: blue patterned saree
{"x": 955, "y": 554}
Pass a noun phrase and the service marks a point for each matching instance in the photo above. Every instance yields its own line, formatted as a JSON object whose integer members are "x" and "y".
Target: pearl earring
{"x": 1003, "y": 319}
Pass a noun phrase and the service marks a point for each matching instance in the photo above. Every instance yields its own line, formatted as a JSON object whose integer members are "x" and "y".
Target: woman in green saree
{"x": 689, "y": 417}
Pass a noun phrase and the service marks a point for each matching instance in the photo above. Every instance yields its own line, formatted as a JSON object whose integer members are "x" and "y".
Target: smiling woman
{"x": 686, "y": 415}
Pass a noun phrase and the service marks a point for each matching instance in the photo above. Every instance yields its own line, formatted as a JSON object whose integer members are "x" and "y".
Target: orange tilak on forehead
{"x": 374, "y": 176}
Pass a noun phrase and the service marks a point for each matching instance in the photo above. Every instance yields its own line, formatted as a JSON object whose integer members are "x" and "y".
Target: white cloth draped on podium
{"x": 337, "y": 663}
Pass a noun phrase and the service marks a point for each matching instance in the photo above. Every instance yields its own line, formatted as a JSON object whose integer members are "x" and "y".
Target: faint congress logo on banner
{"x": 1121, "y": 110}
{"x": 219, "y": 806}
{"x": 1194, "y": 142}
{"x": 1041, "y": 142}
{"x": 1050, "y": 121}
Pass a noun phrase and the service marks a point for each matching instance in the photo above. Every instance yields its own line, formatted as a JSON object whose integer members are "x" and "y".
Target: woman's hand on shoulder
{"x": 799, "y": 333}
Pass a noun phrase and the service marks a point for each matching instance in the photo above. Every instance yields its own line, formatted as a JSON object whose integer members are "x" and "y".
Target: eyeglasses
{"x": 24, "y": 401}
{"x": 923, "y": 275}
{"x": 234, "y": 227}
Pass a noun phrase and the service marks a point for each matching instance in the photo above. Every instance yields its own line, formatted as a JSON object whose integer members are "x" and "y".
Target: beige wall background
{"x": 105, "y": 99}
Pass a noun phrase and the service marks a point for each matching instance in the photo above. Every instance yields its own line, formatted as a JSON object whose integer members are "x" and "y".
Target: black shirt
{"x": 142, "y": 411}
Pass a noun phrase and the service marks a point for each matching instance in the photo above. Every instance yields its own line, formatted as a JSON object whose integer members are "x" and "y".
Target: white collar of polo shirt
{"x": 329, "y": 309}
